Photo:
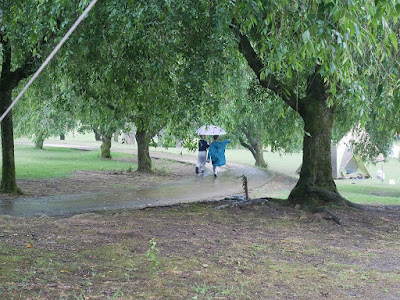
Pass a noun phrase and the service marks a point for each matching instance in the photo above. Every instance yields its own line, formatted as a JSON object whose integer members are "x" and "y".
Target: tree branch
{"x": 31, "y": 63}
{"x": 244, "y": 144}
{"x": 6, "y": 59}
{"x": 270, "y": 82}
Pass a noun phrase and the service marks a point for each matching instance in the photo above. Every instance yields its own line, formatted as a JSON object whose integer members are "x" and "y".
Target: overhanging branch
{"x": 270, "y": 81}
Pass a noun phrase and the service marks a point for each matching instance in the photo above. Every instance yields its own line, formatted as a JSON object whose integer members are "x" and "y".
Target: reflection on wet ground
{"x": 192, "y": 189}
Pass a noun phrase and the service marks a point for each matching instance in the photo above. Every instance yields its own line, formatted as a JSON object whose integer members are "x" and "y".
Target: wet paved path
{"x": 192, "y": 189}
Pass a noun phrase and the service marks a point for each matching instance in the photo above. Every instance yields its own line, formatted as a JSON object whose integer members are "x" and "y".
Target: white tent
{"x": 345, "y": 164}
{"x": 395, "y": 151}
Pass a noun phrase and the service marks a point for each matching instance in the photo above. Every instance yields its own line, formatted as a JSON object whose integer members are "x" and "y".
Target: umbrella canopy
{"x": 210, "y": 130}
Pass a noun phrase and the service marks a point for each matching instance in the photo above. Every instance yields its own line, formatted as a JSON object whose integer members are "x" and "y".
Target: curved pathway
{"x": 192, "y": 189}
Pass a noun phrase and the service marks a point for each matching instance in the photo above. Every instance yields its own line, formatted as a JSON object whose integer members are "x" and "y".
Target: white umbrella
{"x": 210, "y": 130}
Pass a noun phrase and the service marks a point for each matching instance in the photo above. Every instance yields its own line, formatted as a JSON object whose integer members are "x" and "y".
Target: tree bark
{"x": 8, "y": 81}
{"x": 255, "y": 146}
{"x": 144, "y": 160}
{"x": 316, "y": 172}
{"x": 38, "y": 141}
{"x": 8, "y": 179}
{"x": 97, "y": 134}
{"x": 106, "y": 146}
{"x": 260, "y": 162}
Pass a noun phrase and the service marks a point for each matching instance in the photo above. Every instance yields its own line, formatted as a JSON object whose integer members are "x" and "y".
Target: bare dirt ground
{"x": 194, "y": 251}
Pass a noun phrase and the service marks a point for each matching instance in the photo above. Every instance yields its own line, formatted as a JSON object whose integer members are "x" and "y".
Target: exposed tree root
{"x": 327, "y": 197}
{"x": 245, "y": 203}
{"x": 328, "y": 214}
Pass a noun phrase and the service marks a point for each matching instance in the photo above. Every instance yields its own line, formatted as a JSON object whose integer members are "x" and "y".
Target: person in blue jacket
{"x": 217, "y": 154}
{"x": 201, "y": 161}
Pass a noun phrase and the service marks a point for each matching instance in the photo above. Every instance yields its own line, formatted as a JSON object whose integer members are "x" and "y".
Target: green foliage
{"x": 354, "y": 45}
{"x": 44, "y": 113}
{"x": 153, "y": 253}
{"x": 251, "y": 110}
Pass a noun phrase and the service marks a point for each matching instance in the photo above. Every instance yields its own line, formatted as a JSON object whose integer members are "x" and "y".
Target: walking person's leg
{"x": 202, "y": 161}
{"x": 216, "y": 170}
{"x": 199, "y": 161}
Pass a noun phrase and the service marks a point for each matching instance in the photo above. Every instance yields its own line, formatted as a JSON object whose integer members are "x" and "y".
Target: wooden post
{"x": 245, "y": 187}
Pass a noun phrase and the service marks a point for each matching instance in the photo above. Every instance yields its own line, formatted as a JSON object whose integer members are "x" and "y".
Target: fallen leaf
{"x": 29, "y": 246}
{"x": 63, "y": 287}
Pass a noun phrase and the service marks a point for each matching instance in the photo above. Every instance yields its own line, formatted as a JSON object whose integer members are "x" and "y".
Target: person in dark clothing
{"x": 201, "y": 161}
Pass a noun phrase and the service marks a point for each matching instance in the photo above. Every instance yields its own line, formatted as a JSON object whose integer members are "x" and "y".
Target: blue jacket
{"x": 217, "y": 153}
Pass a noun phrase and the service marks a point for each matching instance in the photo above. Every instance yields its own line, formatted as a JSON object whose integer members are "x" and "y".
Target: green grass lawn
{"x": 51, "y": 162}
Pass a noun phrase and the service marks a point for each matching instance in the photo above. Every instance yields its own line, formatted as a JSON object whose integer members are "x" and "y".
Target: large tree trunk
{"x": 144, "y": 160}
{"x": 8, "y": 179}
{"x": 316, "y": 186}
{"x": 10, "y": 80}
{"x": 106, "y": 146}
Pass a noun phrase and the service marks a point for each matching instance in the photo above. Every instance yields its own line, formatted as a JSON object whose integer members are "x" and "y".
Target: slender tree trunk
{"x": 116, "y": 135}
{"x": 106, "y": 146}
{"x": 97, "y": 134}
{"x": 260, "y": 162}
{"x": 259, "y": 153}
{"x": 255, "y": 146}
{"x": 8, "y": 179}
{"x": 144, "y": 160}
{"x": 38, "y": 141}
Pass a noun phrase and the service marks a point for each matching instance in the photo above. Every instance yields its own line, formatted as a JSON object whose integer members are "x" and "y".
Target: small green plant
{"x": 118, "y": 294}
{"x": 152, "y": 253}
{"x": 202, "y": 289}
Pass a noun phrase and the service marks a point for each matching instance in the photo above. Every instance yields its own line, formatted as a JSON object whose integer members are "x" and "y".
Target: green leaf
{"x": 332, "y": 67}
{"x": 393, "y": 39}
{"x": 289, "y": 73}
{"x": 310, "y": 48}
{"x": 306, "y": 36}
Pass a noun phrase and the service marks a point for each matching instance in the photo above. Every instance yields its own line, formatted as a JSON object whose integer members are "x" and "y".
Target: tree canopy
{"x": 172, "y": 63}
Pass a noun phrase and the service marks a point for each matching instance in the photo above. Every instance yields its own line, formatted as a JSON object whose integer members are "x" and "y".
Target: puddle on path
{"x": 192, "y": 189}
